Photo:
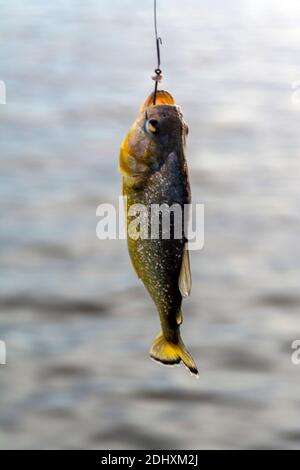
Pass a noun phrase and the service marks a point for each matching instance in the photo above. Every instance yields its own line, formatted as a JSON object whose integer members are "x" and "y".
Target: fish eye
{"x": 152, "y": 125}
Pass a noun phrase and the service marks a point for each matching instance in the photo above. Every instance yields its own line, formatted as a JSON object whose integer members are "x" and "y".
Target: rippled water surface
{"x": 76, "y": 322}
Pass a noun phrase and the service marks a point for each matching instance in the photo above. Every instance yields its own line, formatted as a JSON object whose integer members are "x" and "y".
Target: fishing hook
{"x": 158, "y": 73}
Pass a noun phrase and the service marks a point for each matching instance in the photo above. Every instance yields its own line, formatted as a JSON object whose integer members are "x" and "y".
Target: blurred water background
{"x": 76, "y": 321}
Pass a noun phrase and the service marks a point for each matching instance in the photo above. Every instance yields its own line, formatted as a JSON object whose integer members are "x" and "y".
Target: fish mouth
{"x": 162, "y": 97}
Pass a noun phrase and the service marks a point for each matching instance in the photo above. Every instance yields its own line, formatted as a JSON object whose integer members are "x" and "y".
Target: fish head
{"x": 163, "y": 120}
{"x": 163, "y": 125}
{"x": 159, "y": 130}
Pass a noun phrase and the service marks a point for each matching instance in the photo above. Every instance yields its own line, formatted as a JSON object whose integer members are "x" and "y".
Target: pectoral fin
{"x": 185, "y": 278}
{"x": 130, "y": 166}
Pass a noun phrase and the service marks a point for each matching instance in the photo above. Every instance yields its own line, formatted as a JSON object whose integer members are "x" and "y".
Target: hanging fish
{"x": 154, "y": 171}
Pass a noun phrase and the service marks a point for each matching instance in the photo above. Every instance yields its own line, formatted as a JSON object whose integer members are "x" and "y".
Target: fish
{"x": 154, "y": 172}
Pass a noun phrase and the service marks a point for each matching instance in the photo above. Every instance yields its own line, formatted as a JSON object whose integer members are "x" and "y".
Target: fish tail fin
{"x": 170, "y": 353}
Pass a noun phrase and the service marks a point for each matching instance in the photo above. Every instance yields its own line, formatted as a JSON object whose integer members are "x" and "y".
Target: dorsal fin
{"x": 185, "y": 278}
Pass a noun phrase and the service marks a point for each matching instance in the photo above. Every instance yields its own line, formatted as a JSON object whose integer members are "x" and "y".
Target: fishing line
{"x": 158, "y": 73}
